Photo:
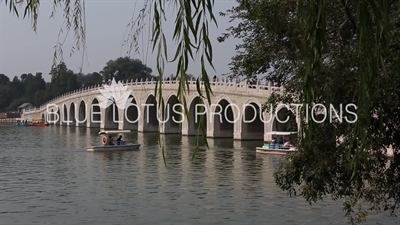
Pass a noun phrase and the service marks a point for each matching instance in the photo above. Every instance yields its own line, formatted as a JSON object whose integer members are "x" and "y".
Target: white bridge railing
{"x": 243, "y": 87}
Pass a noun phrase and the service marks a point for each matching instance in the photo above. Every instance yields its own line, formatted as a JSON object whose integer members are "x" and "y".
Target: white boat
{"x": 267, "y": 149}
{"x": 116, "y": 146}
{"x": 275, "y": 148}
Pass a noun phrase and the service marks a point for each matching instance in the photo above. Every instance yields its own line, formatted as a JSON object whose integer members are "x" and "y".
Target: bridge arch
{"x": 131, "y": 115}
{"x": 72, "y": 116}
{"x": 284, "y": 119}
{"x": 94, "y": 116}
{"x": 150, "y": 115}
{"x": 173, "y": 117}
{"x": 225, "y": 115}
{"x": 319, "y": 114}
{"x": 50, "y": 113}
{"x": 64, "y": 120}
{"x": 143, "y": 92}
{"x": 111, "y": 117}
{"x": 252, "y": 120}
{"x": 50, "y": 117}
{"x": 82, "y": 117}
{"x": 58, "y": 119}
{"x": 197, "y": 114}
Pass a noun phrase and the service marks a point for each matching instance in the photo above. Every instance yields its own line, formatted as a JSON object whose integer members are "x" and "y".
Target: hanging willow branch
{"x": 74, "y": 19}
{"x": 192, "y": 20}
{"x": 191, "y": 33}
{"x": 312, "y": 19}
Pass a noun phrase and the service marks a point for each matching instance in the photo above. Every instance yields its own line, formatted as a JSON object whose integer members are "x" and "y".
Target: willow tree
{"x": 354, "y": 169}
{"x": 347, "y": 52}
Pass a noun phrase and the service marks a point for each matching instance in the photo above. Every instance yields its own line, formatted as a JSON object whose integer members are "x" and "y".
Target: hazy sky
{"x": 24, "y": 51}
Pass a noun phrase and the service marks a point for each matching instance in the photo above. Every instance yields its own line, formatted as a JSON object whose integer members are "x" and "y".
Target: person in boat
{"x": 119, "y": 138}
{"x": 120, "y": 141}
{"x": 287, "y": 144}
{"x": 110, "y": 140}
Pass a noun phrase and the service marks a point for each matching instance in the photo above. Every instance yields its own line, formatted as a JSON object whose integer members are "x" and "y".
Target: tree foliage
{"x": 33, "y": 88}
{"x": 63, "y": 79}
{"x": 270, "y": 39}
{"x": 125, "y": 68}
{"x": 335, "y": 53}
{"x": 14, "y": 93}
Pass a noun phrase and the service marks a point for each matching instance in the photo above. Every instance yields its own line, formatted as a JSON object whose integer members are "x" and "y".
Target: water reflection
{"x": 151, "y": 169}
{"x": 132, "y": 137}
{"x": 250, "y": 145}
{"x": 149, "y": 139}
{"x": 222, "y": 143}
{"x": 48, "y": 177}
{"x": 173, "y": 148}
{"x": 173, "y": 140}
{"x": 196, "y": 171}
{"x": 223, "y": 164}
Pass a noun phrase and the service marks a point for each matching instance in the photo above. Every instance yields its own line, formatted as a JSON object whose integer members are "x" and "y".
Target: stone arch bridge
{"x": 235, "y": 110}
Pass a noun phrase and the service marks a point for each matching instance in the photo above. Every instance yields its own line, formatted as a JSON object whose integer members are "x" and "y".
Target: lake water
{"x": 48, "y": 177}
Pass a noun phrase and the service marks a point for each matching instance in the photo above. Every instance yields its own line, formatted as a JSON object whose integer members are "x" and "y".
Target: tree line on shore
{"x": 34, "y": 89}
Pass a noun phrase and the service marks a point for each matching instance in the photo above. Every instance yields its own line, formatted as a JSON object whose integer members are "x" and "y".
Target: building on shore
{"x": 25, "y": 106}
{"x": 10, "y": 115}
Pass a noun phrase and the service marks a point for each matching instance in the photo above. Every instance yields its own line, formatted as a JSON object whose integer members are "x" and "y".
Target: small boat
{"x": 275, "y": 148}
{"x": 21, "y": 123}
{"x": 117, "y": 146}
{"x": 39, "y": 122}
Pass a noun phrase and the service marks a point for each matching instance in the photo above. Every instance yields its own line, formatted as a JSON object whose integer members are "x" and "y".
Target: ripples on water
{"x": 47, "y": 177}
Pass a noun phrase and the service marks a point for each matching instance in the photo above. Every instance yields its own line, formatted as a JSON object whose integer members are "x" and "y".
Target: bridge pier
{"x": 185, "y": 132}
{"x": 191, "y": 132}
{"x": 89, "y": 116}
{"x": 222, "y": 116}
{"x": 217, "y": 133}
{"x": 64, "y": 115}
{"x": 185, "y": 128}
{"x": 102, "y": 116}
